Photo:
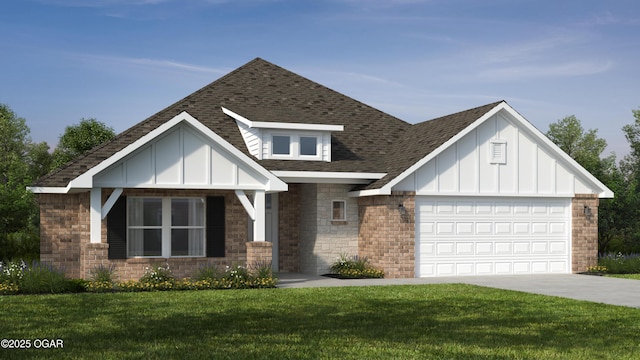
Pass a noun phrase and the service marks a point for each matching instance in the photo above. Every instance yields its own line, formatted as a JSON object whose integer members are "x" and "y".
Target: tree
{"x": 614, "y": 221}
{"x": 18, "y": 210}
{"x": 80, "y": 138}
{"x": 584, "y": 147}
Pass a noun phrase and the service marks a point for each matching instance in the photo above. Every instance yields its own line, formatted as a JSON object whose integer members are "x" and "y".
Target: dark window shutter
{"x": 215, "y": 226}
{"x": 117, "y": 229}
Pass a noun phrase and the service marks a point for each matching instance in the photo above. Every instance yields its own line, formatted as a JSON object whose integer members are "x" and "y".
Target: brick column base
{"x": 93, "y": 255}
{"x": 259, "y": 252}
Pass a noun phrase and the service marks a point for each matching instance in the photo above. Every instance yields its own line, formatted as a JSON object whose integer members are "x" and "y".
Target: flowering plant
{"x": 355, "y": 267}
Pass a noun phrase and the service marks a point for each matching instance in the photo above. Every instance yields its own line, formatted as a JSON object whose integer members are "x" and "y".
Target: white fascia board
{"x": 605, "y": 192}
{"x": 281, "y": 125}
{"x": 326, "y": 177}
{"x": 86, "y": 179}
{"x": 387, "y": 188}
{"x": 48, "y": 190}
{"x": 372, "y": 192}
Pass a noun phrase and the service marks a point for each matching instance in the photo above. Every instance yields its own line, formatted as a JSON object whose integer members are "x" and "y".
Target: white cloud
{"x": 157, "y": 64}
{"x": 577, "y": 68}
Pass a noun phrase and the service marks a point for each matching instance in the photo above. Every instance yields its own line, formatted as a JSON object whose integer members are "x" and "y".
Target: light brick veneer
{"x": 322, "y": 241}
{"x": 65, "y": 244}
{"x": 387, "y": 237}
{"x": 584, "y": 232}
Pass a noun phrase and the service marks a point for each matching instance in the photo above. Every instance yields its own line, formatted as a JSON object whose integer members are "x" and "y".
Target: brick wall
{"x": 322, "y": 240}
{"x": 258, "y": 253}
{"x": 386, "y": 236}
{"x": 65, "y": 237}
{"x": 584, "y": 232}
{"x": 64, "y": 226}
{"x": 289, "y": 230}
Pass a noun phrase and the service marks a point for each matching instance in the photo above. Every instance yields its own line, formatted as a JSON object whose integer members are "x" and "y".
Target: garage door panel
{"x": 445, "y": 228}
{"x": 557, "y": 247}
{"x": 503, "y": 248}
{"x": 521, "y": 267}
{"x": 476, "y": 236}
{"x": 444, "y": 248}
{"x": 521, "y": 247}
{"x": 465, "y": 248}
{"x": 484, "y": 248}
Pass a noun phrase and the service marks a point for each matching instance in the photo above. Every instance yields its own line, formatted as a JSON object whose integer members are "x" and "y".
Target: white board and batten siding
{"x": 181, "y": 158}
{"x": 497, "y": 201}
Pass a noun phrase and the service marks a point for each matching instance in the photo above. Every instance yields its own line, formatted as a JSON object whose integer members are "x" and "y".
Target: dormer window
{"x": 294, "y": 146}
{"x": 286, "y": 140}
{"x": 308, "y": 146}
{"x": 281, "y": 145}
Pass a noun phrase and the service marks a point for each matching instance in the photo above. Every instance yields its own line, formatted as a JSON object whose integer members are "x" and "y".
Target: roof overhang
{"x": 84, "y": 181}
{"x": 328, "y": 177}
{"x": 281, "y": 125}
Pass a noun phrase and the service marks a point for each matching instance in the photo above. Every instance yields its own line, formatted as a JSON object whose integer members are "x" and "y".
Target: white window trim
{"x": 294, "y": 146}
{"x": 344, "y": 210}
{"x": 166, "y": 227}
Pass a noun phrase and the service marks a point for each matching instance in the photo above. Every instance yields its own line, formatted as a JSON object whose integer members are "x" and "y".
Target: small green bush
{"x": 42, "y": 278}
{"x": 620, "y": 263}
{"x": 354, "y": 267}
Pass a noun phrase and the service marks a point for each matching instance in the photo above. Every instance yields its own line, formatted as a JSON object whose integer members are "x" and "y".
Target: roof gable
{"x": 570, "y": 176}
{"x": 150, "y": 162}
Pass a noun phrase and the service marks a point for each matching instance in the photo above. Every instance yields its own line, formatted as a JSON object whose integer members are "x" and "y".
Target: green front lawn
{"x": 387, "y": 322}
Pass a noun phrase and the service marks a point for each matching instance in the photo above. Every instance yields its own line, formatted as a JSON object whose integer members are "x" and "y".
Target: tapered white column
{"x": 95, "y": 217}
{"x": 259, "y": 227}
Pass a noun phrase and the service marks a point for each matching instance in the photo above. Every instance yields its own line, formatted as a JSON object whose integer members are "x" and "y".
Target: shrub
{"x": 355, "y": 267}
{"x": 42, "y": 278}
{"x": 620, "y": 263}
{"x": 208, "y": 272}
{"x": 158, "y": 277}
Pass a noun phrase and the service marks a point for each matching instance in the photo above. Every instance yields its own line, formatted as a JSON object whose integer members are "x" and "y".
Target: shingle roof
{"x": 372, "y": 141}
{"x": 425, "y": 137}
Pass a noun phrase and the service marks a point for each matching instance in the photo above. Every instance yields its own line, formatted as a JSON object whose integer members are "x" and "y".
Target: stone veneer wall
{"x": 584, "y": 232}
{"x": 289, "y": 229}
{"x": 65, "y": 244}
{"x": 387, "y": 237}
{"x": 322, "y": 241}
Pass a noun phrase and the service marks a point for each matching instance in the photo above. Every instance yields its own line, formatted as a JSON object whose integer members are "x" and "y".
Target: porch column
{"x": 259, "y": 227}
{"x": 95, "y": 216}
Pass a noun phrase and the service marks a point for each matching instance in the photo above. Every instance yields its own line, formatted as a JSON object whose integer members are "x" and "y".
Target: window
{"x": 165, "y": 227}
{"x": 338, "y": 210}
{"x": 308, "y": 146}
{"x": 281, "y": 145}
{"x": 295, "y": 147}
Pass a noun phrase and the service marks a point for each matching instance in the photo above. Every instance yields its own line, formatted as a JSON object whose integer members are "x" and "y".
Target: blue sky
{"x": 121, "y": 61}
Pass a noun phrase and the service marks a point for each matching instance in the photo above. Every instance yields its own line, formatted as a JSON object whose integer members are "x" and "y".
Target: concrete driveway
{"x": 613, "y": 291}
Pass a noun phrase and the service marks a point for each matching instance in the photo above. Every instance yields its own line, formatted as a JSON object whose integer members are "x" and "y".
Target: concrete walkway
{"x": 613, "y": 291}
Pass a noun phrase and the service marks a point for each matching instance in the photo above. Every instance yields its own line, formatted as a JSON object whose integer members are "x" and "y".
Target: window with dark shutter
{"x": 215, "y": 226}
{"x": 117, "y": 229}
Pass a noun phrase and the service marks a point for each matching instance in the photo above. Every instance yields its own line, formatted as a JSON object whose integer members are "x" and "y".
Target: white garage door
{"x": 490, "y": 236}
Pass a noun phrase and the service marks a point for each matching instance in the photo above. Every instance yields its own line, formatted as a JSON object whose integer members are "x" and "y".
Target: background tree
{"x": 586, "y": 148}
{"x": 18, "y": 210}
{"x": 80, "y": 138}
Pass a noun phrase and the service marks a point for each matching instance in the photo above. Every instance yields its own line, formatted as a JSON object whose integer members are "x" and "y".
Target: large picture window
{"x": 165, "y": 227}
